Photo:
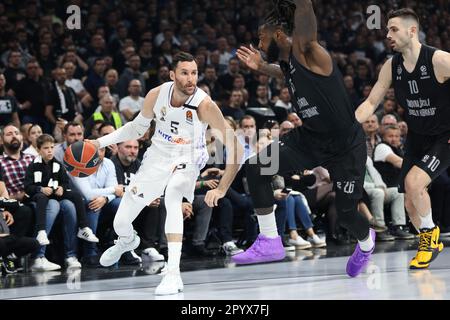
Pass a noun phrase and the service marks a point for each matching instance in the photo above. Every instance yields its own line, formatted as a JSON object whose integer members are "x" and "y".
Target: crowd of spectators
{"x": 88, "y": 82}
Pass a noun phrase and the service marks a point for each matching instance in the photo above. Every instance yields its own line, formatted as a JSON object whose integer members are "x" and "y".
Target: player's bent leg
{"x": 128, "y": 239}
{"x": 268, "y": 246}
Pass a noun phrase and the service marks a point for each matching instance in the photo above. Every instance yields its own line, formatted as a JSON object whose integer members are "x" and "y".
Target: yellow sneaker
{"x": 429, "y": 248}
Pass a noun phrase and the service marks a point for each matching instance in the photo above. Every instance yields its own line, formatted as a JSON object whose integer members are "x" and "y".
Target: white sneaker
{"x": 113, "y": 254}
{"x": 42, "y": 264}
{"x": 299, "y": 243}
{"x": 317, "y": 242}
{"x": 231, "y": 249}
{"x": 42, "y": 238}
{"x": 153, "y": 254}
{"x": 170, "y": 284}
{"x": 72, "y": 263}
{"x": 87, "y": 234}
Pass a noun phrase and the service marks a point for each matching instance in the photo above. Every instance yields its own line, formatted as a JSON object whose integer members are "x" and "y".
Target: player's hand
{"x": 59, "y": 191}
{"x": 213, "y": 196}
{"x": 94, "y": 142}
{"x": 250, "y": 57}
{"x": 8, "y": 218}
{"x": 47, "y": 191}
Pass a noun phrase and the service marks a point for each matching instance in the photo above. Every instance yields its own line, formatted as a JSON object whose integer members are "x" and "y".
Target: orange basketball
{"x": 81, "y": 159}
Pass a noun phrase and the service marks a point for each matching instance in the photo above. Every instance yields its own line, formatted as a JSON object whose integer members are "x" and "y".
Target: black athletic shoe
{"x": 385, "y": 236}
{"x": 201, "y": 251}
{"x": 8, "y": 266}
{"x": 130, "y": 258}
{"x": 400, "y": 234}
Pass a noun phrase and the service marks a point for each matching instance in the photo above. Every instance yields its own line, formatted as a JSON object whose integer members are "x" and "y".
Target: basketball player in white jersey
{"x": 420, "y": 75}
{"x": 182, "y": 112}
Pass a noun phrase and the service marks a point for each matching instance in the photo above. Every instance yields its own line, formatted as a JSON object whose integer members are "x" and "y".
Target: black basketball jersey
{"x": 320, "y": 101}
{"x": 425, "y": 100}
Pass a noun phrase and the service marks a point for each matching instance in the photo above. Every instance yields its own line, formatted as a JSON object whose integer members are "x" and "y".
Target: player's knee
{"x": 413, "y": 185}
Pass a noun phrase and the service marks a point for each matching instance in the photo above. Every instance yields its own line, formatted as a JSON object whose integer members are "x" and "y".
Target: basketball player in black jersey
{"x": 330, "y": 135}
{"x": 420, "y": 75}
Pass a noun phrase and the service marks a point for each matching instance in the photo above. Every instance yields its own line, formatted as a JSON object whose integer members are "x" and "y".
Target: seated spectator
{"x": 132, "y": 72}
{"x": 19, "y": 215}
{"x": 132, "y": 104}
{"x": 370, "y": 128}
{"x": 149, "y": 221}
{"x": 387, "y": 120}
{"x": 262, "y": 98}
{"x": 104, "y": 129}
{"x": 9, "y": 110}
{"x": 46, "y": 179}
{"x": 72, "y": 133}
{"x": 13, "y": 170}
{"x": 106, "y": 113}
{"x": 389, "y": 107}
{"x": 226, "y": 79}
{"x": 12, "y": 245}
{"x": 31, "y": 92}
{"x": 62, "y": 101}
{"x": 294, "y": 119}
{"x": 112, "y": 81}
{"x": 283, "y": 105}
{"x": 234, "y": 107}
{"x": 388, "y": 160}
{"x": 211, "y": 80}
{"x": 73, "y": 82}
{"x": 403, "y": 131}
{"x": 95, "y": 78}
{"x": 33, "y": 133}
{"x": 14, "y": 71}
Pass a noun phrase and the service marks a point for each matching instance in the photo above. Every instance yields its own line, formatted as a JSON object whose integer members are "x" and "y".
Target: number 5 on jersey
{"x": 174, "y": 127}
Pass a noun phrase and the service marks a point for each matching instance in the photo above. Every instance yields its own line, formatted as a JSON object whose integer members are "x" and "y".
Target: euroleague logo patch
{"x": 189, "y": 118}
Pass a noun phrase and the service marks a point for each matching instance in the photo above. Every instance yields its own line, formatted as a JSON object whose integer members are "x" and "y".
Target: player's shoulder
{"x": 157, "y": 90}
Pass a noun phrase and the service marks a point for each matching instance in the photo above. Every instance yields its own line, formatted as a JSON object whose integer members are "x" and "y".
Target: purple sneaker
{"x": 262, "y": 250}
{"x": 359, "y": 259}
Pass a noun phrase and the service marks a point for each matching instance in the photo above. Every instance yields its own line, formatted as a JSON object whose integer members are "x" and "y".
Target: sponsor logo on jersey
{"x": 172, "y": 139}
{"x": 189, "y": 118}
{"x": 424, "y": 71}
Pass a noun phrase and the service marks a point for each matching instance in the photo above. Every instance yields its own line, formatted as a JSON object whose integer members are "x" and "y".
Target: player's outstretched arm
{"x": 133, "y": 129}
{"x": 252, "y": 58}
{"x": 304, "y": 39}
{"x": 367, "y": 108}
{"x": 210, "y": 113}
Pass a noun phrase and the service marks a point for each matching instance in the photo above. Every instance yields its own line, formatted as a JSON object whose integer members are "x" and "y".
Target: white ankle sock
{"x": 174, "y": 255}
{"x": 268, "y": 225}
{"x": 427, "y": 221}
{"x": 366, "y": 245}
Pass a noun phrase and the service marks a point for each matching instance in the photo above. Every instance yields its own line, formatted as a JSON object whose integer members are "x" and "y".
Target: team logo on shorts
{"x": 163, "y": 114}
{"x": 134, "y": 190}
{"x": 189, "y": 117}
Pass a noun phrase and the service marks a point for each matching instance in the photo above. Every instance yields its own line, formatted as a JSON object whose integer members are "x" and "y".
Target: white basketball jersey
{"x": 179, "y": 133}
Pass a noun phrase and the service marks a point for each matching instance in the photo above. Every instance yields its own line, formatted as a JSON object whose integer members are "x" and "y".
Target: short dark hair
{"x": 105, "y": 124}
{"x": 71, "y": 124}
{"x": 44, "y": 138}
{"x": 403, "y": 13}
{"x": 181, "y": 57}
